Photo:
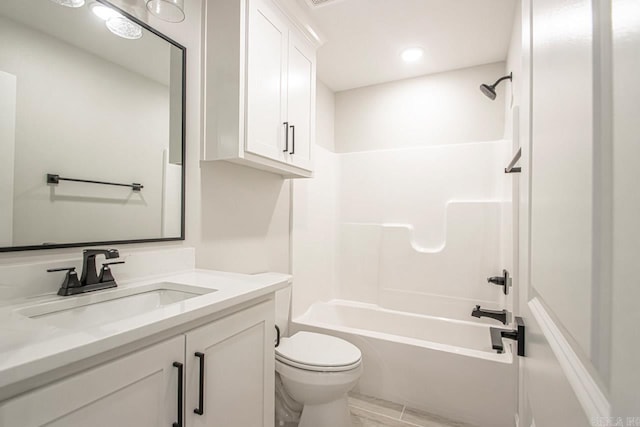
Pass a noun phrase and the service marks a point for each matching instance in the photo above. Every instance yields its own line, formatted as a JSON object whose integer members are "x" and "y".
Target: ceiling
{"x": 366, "y": 37}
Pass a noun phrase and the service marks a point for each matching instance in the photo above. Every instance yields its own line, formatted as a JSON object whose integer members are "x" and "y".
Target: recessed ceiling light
{"x": 69, "y": 3}
{"x": 412, "y": 54}
{"x": 103, "y": 12}
{"x": 123, "y": 27}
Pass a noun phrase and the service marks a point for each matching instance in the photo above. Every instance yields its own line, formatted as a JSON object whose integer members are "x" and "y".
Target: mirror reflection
{"x": 91, "y": 126}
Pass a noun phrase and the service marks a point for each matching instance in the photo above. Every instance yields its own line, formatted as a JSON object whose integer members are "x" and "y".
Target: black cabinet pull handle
{"x": 180, "y": 367}
{"x": 286, "y": 137}
{"x": 200, "y": 409}
{"x": 293, "y": 139}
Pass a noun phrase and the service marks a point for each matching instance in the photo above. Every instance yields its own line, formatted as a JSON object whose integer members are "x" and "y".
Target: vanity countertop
{"x": 30, "y": 347}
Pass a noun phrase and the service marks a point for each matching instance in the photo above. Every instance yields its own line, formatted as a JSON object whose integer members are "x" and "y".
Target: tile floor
{"x": 371, "y": 412}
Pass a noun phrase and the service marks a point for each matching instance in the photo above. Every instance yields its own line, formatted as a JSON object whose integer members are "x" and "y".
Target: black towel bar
{"x": 55, "y": 179}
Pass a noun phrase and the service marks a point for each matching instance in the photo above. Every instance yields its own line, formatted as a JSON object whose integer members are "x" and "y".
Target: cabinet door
{"x": 266, "y": 80}
{"x": 136, "y": 390}
{"x": 238, "y": 375}
{"x": 301, "y": 101}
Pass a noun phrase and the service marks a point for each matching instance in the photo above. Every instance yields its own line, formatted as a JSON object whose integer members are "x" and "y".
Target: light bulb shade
{"x": 167, "y": 10}
{"x": 69, "y": 3}
{"x": 123, "y": 27}
{"x": 103, "y": 12}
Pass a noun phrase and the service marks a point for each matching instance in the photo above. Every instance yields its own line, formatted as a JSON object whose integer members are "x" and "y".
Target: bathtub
{"x": 443, "y": 366}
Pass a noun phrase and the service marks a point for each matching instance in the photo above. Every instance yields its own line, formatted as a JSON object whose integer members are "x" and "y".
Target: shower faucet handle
{"x": 504, "y": 281}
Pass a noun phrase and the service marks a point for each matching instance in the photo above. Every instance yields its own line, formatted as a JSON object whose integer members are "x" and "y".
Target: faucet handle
{"x": 105, "y": 272}
{"x": 53, "y": 270}
{"x": 70, "y": 279}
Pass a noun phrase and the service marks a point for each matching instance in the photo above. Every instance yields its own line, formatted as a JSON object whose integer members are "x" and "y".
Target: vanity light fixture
{"x": 412, "y": 54}
{"x": 123, "y": 27}
{"x": 167, "y": 10}
{"x": 69, "y": 3}
{"x": 103, "y": 12}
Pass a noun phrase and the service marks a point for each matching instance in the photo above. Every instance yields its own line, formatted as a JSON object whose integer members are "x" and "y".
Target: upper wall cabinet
{"x": 260, "y": 74}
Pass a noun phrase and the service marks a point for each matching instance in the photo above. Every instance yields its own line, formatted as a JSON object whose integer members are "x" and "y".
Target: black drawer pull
{"x": 200, "y": 409}
{"x": 180, "y": 367}
{"x": 293, "y": 139}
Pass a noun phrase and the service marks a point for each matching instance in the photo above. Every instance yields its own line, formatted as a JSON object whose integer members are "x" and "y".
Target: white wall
{"x": 244, "y": 220}
{"x": 315, "y": 214}
{"x": 512, "y": 90}
{"x": 444, "y": 108}
{"x": 325, "y": 117}
{"x": 83, "y": 125}
{"x": 314, "y": 234}
{"x": 8, "y": 85}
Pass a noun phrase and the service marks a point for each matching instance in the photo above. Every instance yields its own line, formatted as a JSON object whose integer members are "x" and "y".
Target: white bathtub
{"x": 439, "y": 365}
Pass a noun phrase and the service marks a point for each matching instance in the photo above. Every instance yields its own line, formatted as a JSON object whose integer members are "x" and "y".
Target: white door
{"x": 137, "y": 390}
{"x": 301, "y": 102}
{"x": 562, "y": 248}
{"x": 266, "y": 85}
{"x": 237, "y": 356}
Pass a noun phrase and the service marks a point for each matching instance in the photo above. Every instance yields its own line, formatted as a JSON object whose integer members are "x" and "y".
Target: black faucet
{"x": 90, "y": 280}
{"x": 517, "y": 334}
{"x": 500, "y": 315}
{"x": 89, "y": 273}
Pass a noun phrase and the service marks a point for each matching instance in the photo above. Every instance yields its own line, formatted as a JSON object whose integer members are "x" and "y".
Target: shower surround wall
{"x": 432, "y": 232}
{"x": 409, "y": 212}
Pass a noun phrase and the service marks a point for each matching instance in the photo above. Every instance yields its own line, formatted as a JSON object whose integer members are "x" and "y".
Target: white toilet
{"x": 317, "y": 371}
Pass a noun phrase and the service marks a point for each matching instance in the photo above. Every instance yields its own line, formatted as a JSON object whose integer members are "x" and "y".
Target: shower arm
{"x": 509, "y": 77}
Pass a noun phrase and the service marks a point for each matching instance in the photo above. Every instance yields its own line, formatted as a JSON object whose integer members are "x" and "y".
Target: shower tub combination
{"x": 439, "y": 365}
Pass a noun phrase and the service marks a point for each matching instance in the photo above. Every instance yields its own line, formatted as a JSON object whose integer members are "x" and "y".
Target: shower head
{"x": 490, "y": 90}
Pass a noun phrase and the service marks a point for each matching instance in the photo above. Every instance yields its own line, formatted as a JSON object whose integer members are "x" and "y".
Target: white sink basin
{"x": 103, "y": 307}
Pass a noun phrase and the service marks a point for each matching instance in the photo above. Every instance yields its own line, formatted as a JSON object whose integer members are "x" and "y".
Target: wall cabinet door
{"x": 238, "y": 374}
{"x": 266, "y": 85}
{"x": 136, "y": 390}
{"x": 301, "y": 85}
{"x": 260, "y": 78}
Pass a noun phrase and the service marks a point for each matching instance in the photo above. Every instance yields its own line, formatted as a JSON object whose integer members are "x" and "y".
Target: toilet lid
{"x": 311, "y": 350}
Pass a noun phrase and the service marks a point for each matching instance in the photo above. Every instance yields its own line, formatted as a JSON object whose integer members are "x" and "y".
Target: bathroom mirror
{"x": 91, "y": 127}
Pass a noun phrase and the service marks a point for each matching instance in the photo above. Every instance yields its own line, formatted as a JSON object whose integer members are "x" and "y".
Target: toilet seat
{"x": 318, "y": 352}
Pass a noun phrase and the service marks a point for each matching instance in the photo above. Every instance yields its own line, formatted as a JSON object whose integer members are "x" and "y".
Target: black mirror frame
{"x": 183, "y": 186}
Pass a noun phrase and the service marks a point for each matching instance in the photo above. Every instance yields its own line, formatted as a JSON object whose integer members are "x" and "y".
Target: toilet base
{"x": 335, "y": 414}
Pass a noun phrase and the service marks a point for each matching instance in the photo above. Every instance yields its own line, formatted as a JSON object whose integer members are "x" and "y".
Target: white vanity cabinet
{"x": 142, "y": 389}
{"x": 238, "y": 374}
{"x": 260, "y": 79}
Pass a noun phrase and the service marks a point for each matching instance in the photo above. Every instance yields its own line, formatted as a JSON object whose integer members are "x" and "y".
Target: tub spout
{"x": 500, "y": 315}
